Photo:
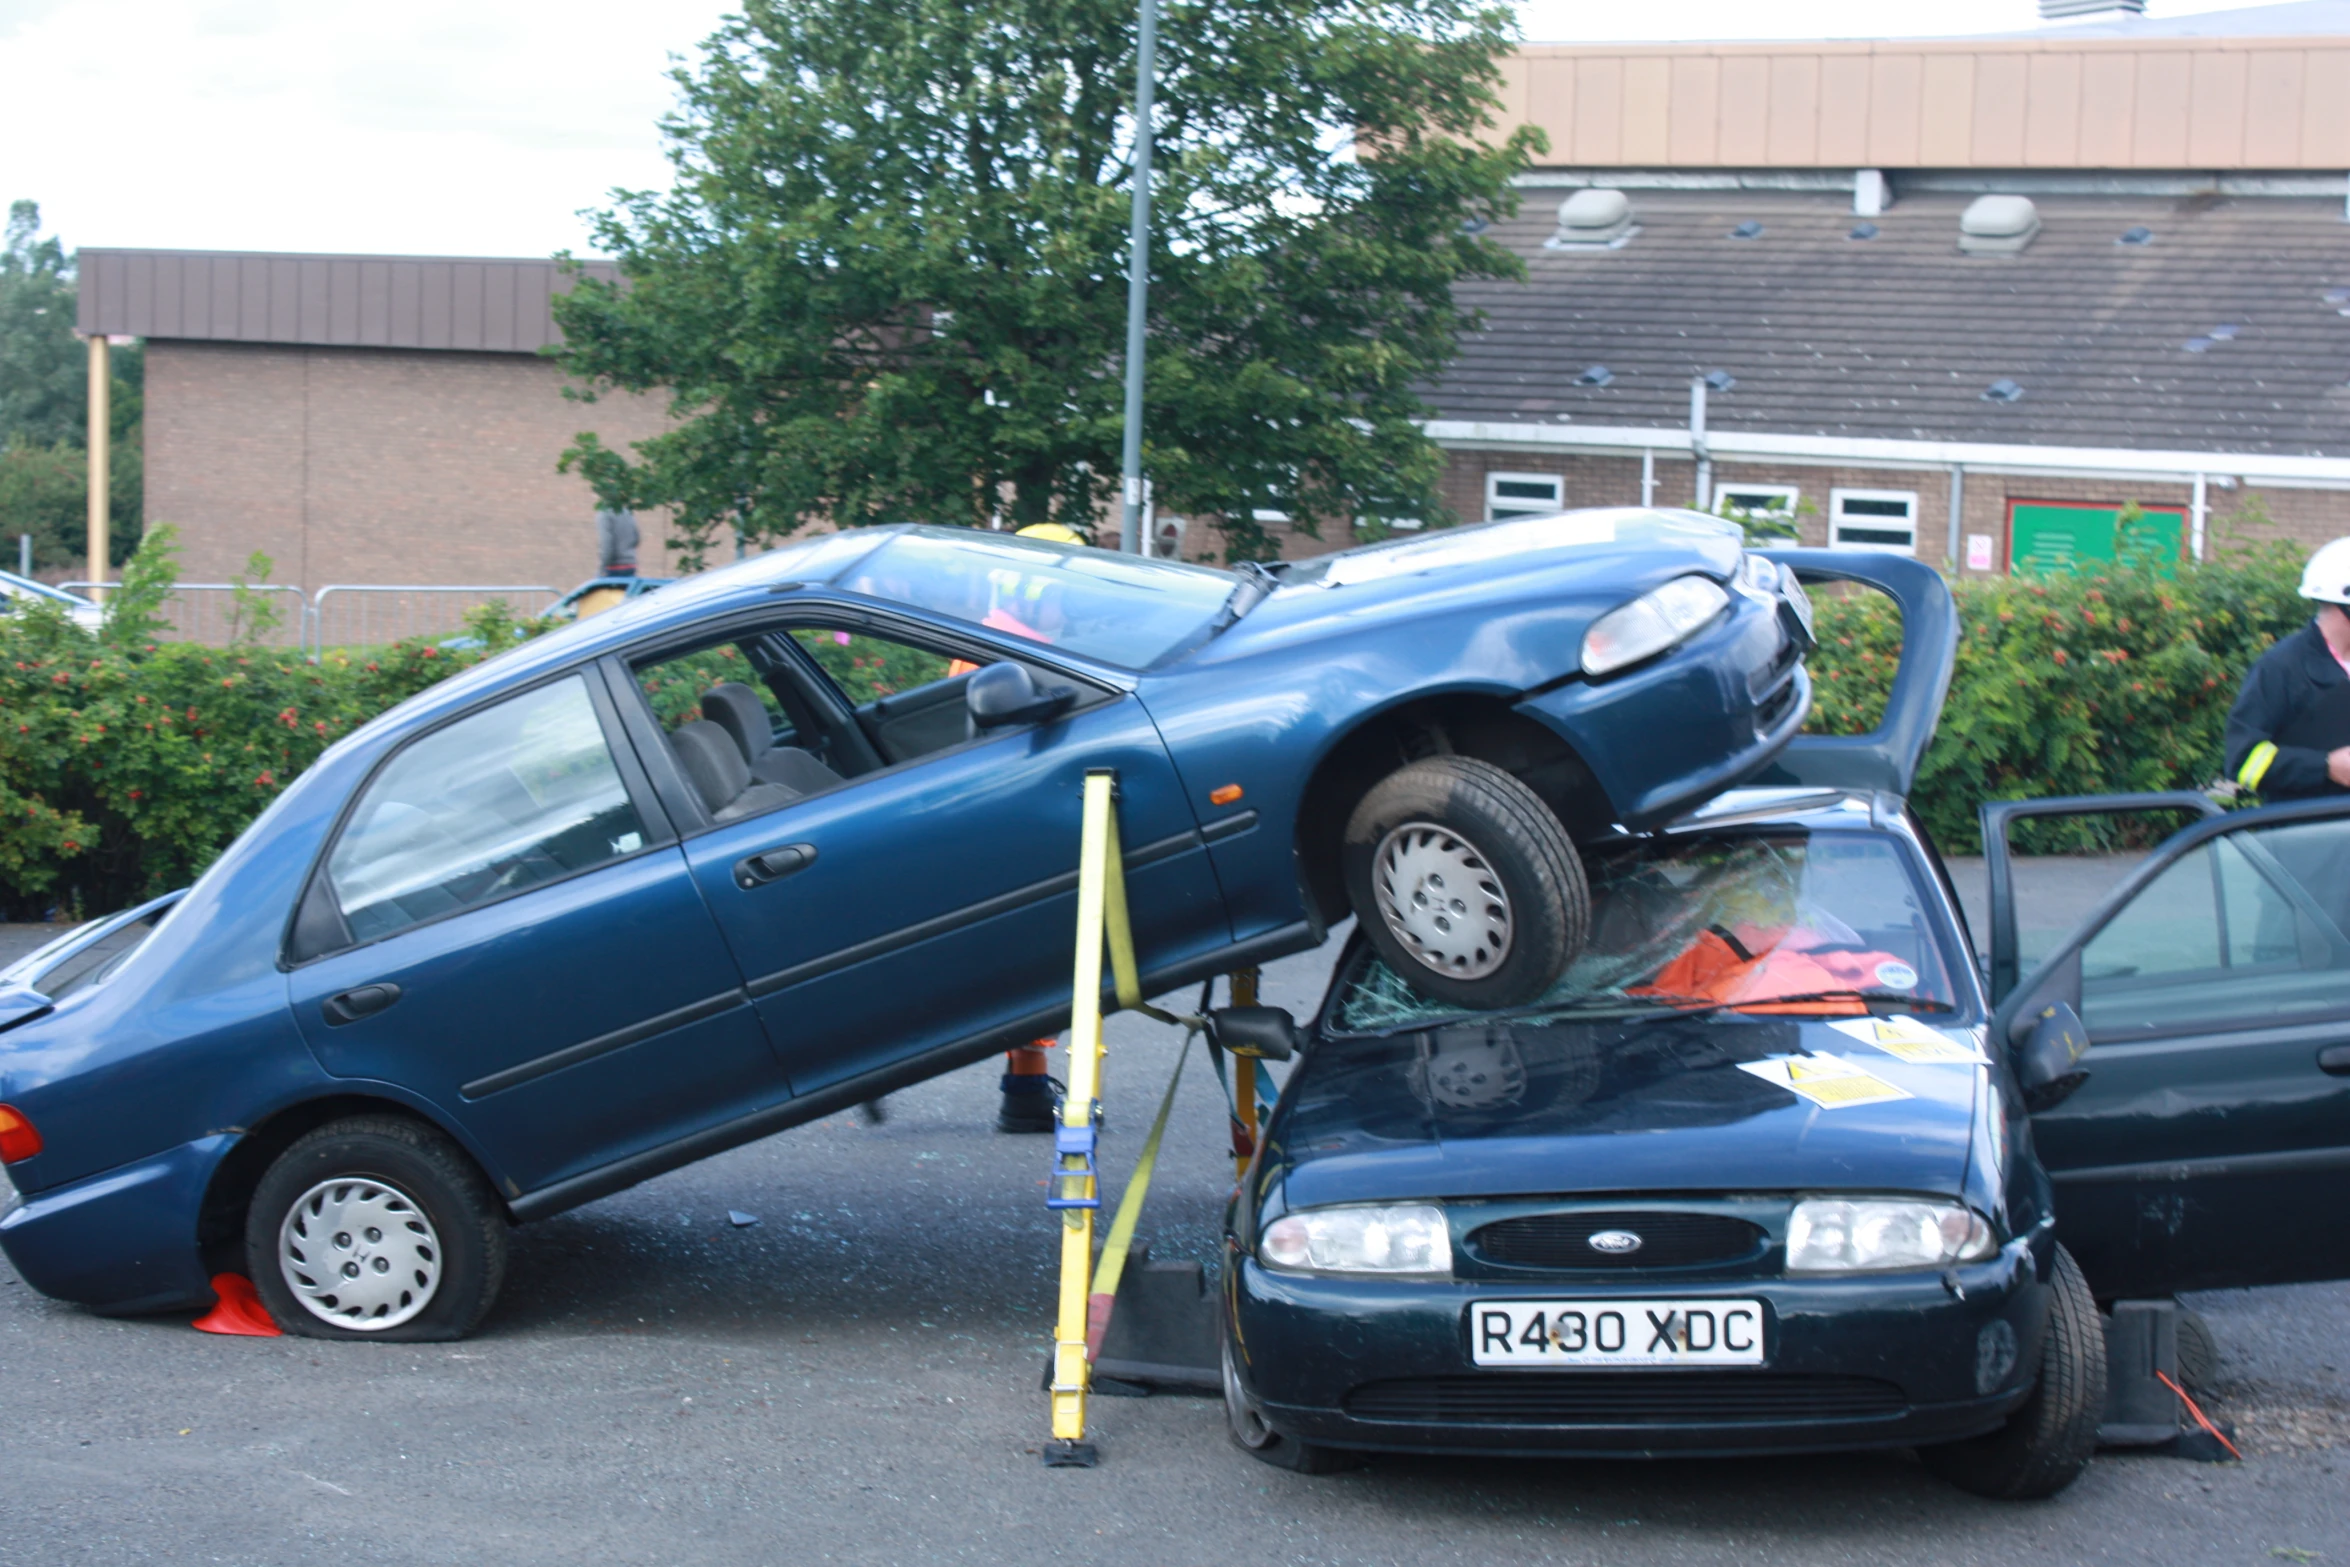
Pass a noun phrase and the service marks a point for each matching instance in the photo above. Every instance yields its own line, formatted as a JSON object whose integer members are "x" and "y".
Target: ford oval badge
{"x": 1615, "y": 1242}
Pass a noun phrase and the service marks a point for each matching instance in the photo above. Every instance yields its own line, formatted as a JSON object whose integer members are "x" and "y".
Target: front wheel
{"x": 375, "y": 1227}
{"x": 2045, "y": 1444}
{"x": 1264, "y": 1444}
{"x": 1466, "y": 883}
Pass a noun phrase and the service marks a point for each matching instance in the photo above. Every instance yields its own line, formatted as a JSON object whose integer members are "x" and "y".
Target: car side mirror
{"x": 2048, "y": 1047}
{"x": 1006, "y": 693}
{"x": 1261, "y": 1033}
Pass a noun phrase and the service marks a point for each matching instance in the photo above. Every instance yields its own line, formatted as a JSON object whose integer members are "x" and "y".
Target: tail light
{"x": 18, "y": 1140}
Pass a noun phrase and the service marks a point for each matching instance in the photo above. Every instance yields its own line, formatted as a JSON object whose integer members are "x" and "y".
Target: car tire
{"x": 2044, "y": 1444}
{"x": 1267, "y": 1446}
{"x": 394, "y": 1206}
{"x": 2198, "y": 1353}
{"x": 1521, "y": 919}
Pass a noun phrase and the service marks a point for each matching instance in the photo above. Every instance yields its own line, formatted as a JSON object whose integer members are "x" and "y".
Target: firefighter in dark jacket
{"x": 2289, "y": 732}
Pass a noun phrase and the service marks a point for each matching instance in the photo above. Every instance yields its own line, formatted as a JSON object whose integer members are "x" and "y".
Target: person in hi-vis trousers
{"x": 2288, "y": 736}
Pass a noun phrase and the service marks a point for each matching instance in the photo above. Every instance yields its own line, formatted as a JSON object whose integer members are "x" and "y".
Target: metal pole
{"x": 1648, "y": 477}
{"x": 1951, "y": 558}
{"x": 2201, "y": 515}
{"x": 24, "y": 554}
{"x": 1697, "y": 446}
{"x": 101, "y": 382}
{"x": 1138, "y": 277}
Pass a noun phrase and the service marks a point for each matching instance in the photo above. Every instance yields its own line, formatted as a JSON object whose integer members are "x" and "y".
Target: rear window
{"x": 1774, "y": 922}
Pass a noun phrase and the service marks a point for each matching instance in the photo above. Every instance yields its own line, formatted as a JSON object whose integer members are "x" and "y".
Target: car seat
{"x": 714, "y": 764}
{"x": 736, "y": 708}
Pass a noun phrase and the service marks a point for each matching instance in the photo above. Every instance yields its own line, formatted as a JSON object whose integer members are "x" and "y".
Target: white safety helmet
{"x": 2327, "y": 576}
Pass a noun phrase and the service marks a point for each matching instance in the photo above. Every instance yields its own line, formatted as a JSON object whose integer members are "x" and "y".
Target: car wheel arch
{"x": 220, "y": 1222}
{"x": 1483, "y": 724}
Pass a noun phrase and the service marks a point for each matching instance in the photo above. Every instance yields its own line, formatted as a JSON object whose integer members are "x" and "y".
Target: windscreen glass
{"x": 1092, "y": 602}
{"x": 1789, "y": 923}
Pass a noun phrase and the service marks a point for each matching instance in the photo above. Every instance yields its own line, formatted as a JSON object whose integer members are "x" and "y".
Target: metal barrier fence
{"x": 363, "y": 615}
{"x": 342, "y": 614}
{"x": 209, "y": 612}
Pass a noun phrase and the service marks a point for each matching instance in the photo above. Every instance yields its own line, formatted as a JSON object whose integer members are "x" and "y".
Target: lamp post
{"x": 101, "y": 383}
{"x": 1138, "y": 281}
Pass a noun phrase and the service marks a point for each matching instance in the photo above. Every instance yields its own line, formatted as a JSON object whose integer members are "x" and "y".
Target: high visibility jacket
{"x": 2294, "y": 708}
{"x": 1714, "y": 969}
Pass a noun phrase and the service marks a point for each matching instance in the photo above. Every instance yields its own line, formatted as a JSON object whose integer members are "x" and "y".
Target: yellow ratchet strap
{"x": 2256, "y": 765}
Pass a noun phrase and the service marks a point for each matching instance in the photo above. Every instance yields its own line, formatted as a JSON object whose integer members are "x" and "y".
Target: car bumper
{"x": 1736, "y": 693}
{"x": 121, "y": 1241}
{"x": 1885, "y": 1361}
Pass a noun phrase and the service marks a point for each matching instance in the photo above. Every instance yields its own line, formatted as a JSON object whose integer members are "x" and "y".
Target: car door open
{"x": 2210, "y": 1144}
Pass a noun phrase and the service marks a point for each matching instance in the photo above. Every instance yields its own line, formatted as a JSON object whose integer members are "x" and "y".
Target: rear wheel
{"x": 1266, "y": 1445}
{"x": 375, "y": 1227}
{"x": 2198, "y": 1353}
{"x": 1465, "y": 882}
{"x": 2044, "y": 1444}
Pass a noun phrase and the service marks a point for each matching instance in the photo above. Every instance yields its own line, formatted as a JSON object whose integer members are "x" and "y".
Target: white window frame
{"x": 1836, "y": 539}
{"x": 1519, "y": 505}
{"x": 1784, "y": 498}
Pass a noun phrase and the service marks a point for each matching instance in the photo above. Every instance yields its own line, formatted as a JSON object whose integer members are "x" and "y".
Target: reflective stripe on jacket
{"x": 2294, "y": 708}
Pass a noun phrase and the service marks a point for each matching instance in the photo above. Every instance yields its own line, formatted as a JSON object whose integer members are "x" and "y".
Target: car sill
{"x": 624, "y": 1173}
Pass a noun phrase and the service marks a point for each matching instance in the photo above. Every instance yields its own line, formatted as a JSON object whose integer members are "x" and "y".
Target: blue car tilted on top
{"x": 786, "y": 836}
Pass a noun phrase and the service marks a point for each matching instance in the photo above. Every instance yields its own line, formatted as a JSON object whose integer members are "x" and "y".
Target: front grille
{"x": 1562, "y": 1241}
{"x": 1616, "y": 1398}
{"x": 1773, "y": 708}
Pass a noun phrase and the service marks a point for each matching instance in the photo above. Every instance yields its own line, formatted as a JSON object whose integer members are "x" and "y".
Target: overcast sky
{"x": 482, "y": 127}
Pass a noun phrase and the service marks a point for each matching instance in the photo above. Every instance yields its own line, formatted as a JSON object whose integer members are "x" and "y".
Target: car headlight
{"x": 1837, "y": 1235}
{"x": 1650, "y": 623}
{"x": 1402, "y": 1238}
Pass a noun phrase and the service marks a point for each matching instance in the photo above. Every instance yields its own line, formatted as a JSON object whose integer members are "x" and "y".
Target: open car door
{"x": 2210, "y": 1145}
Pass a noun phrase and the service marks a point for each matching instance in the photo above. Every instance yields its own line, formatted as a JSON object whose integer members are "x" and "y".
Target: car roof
{"x": 29, "y": 585}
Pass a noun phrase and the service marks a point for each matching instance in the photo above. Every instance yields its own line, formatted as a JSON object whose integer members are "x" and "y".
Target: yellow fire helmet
{"x": 1057, "y": 533}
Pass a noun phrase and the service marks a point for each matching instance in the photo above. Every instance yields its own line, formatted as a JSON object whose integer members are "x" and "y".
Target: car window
{"x": 510, "y": 798}
{"x": 1103, "y": 605}
{"x": 91, "y": 966}
{"x": 2242, "y": 930}
{"x": 1744, "y": 920}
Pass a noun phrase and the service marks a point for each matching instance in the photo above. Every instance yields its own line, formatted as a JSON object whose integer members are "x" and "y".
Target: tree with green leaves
{"x": 889, "y": 281}
{"x": 45, "y": 408}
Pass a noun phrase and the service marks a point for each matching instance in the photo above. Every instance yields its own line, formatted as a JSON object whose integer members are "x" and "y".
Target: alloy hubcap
{"x": 359, "y": 1253}
{"x": 1441, "y": 900}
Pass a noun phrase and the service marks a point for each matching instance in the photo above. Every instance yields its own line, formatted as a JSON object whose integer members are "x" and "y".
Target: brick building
{"x": 2162, "y": 318}
{"x": 360, "y": 419}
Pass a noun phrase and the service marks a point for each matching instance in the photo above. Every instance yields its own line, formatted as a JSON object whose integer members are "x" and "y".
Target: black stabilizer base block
{"x": 2199, "y": 1446}
{"x": 1071, "y": 1455}
{"x": 1163, "y": 1328}
{"x": 2141, "y": 1347}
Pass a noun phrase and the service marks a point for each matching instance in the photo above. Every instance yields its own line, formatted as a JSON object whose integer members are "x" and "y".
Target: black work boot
{"x": 1030, "y": 1105}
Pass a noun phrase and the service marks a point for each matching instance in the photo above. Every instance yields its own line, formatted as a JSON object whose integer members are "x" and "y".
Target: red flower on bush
{"x": 71, "y": 847}
{"x": 2059, "y": 655}
{"x": 290, "y": 718}
{"x": 265, "y": 780}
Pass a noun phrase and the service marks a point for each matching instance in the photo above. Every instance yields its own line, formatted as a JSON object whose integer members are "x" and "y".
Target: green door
{"x": 2051, "y": 535}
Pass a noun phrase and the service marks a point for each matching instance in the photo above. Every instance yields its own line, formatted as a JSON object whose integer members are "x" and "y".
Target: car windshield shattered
{"x": 1092, "y": 602}
{"x": 1780, "y": 922}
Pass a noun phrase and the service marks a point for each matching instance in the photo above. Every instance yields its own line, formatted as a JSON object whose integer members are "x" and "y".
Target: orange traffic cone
{"x": 240, "y": 1313}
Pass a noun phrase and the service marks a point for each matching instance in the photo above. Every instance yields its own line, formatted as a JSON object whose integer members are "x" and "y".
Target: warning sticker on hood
{"x": 1831, "y": 1082}
{"x": 1910, "y": 1040}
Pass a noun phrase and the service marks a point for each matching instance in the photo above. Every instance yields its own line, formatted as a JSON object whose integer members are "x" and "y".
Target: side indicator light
{"x": 1225, "y": 795}
{"x": 18, "y": 1140}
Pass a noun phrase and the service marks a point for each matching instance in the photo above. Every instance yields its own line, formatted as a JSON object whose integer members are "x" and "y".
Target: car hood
{"x": 1490, "y": 1108}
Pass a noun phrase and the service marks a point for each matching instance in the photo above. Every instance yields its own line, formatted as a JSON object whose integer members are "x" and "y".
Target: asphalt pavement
{"x": 854, "y": 1378}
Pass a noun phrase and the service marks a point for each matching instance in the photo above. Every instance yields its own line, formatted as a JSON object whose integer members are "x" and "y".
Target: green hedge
{"x": 127, "y": 762}
{"x": 2072, "y": 683}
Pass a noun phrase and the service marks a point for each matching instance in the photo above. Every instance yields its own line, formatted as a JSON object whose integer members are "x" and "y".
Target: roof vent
{"x": 2141, "y": 235}
{"x": 1720, "y": 380}
{"x": 1747, "y": 230}
{"x": 1863, "y": 231}
{"x": 1595, "y": 219}
{"x": 1597, "y": 375}
{"x": 2225, "y": 332}
{"x": 2002, "y": 391}
{"x": 1997, "y": 225}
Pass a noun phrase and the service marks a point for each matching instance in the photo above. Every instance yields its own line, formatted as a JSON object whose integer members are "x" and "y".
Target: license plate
{"x": 1538, "y": 1333}
{"x": 1800, "y": 602}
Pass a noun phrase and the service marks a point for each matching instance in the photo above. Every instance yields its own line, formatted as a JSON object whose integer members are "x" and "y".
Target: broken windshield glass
{"x": 1788, "y": 922}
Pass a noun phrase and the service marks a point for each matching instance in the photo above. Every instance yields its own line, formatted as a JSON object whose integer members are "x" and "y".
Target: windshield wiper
{"x": 1695, "y": 1006}
{"x": 1256, "y": 584}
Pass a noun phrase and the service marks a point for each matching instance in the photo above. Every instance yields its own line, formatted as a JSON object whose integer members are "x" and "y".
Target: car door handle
{"x": 773, "y": 864}
{"x": 2335, "y": 1059}
{"x": 364, "y": 1001}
